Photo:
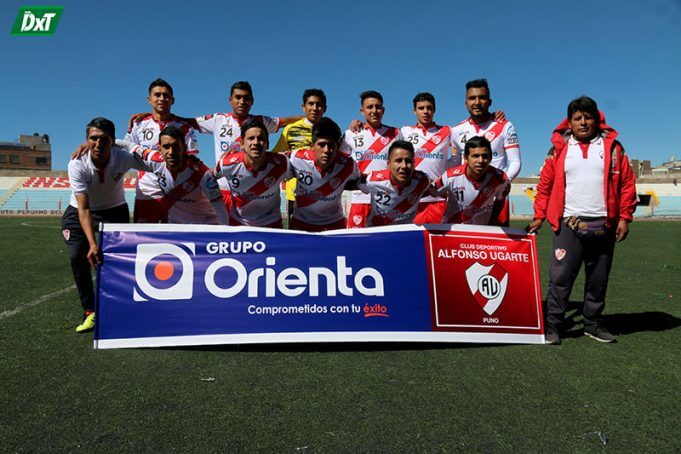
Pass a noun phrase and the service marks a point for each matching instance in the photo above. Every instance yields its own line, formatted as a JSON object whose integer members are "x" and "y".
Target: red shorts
{"x": 295, "y": 224}
{"x": 358, "y": 214}
{"x": 149, "y": 211}
{"x": 430, "y": 212}
{"x": 226, "y": 198}
{"x": 505, "y": 215}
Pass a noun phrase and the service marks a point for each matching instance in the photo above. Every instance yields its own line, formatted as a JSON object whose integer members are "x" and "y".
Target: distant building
{"x": 641, "y": 168}
{"x": 29, "y": 153}
{"x": 673, "y": 166}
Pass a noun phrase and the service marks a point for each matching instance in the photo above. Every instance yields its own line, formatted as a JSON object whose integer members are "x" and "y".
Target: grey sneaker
{"x": 599, "y": 333}
{"x": 551, "y": 336}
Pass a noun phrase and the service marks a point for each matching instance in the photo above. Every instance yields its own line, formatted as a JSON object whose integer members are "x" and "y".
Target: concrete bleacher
{"x": 50, "y": 195}
{"x": 43, "y": 195}
{"x": 38, "y": 200}
{"x": 63, "y": 182}
{"x": 47, "y": 199}
{"x": 47, "y": 182}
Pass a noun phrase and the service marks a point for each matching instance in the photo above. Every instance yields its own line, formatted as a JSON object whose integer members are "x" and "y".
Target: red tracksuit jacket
{"x": 619, "y": 186}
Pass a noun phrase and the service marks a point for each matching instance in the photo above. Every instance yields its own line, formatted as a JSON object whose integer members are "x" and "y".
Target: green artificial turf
{"x": 59, "y": 394}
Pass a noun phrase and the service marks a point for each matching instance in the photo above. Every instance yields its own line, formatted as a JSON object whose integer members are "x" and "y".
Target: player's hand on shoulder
{"x": 356, "y": 125}
{"x": 134, "y": 118}
{"x": 79, "y": 151}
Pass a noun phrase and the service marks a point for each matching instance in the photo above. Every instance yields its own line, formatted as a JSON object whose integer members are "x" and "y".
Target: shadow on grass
{"x": 333, "y": 347}
{"x": 641, "y": 321}
{"x": 617, "y": 324}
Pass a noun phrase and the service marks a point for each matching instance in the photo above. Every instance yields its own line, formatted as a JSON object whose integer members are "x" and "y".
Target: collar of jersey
{"x": 479, "y": 126}
{"x": 574, "y": 141}
{"x": 171, "y": 118}
{"x": 428, "y": 129}
{"x": 475, "y": 183}
{"x": 239, "y": 122}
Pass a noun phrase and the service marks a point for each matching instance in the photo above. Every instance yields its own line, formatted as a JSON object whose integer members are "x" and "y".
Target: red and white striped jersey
{"x": 432, "y": 150}
{"x": 502, "y": 136}
{"x": 319, "y": 193}
{"x": 369, "y": 148}
{"x": 256, "y": 199}
{"x": 146, "y": 133}
{"x": 390, "y": 204}
{"x": 189, "y": 194}
{"x": 471, "y": 202}
{"x": 226, "y": 130}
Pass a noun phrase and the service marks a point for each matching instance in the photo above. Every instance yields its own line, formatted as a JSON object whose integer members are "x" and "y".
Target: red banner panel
{"x": 486, "y": 282}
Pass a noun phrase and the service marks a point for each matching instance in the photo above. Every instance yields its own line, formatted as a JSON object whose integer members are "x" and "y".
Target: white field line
{"x": 26, "y": 224}
{"x": 35, "y": 302}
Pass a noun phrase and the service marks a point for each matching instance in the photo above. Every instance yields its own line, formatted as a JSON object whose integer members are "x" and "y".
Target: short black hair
{"x": 255, "y": 123}
{"x": 241, "y": 85}
{"x": 401, "y": 144}
{"x": 370, "y": 94}
{"x": 174, "y": 132}
{"x": 477, "y": 83}
{"x": 314, "y": 92}
{"x": 326, "y": 128}
{"x": 103, "y": 124}
{"x": 583, "y": 104}
{"x": 476, "y": 142}
{"x": 424, "y": 96}
{"x": 160, "y": 83}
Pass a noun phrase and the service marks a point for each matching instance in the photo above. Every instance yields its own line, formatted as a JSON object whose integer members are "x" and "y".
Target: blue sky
{"x": 537, "y": 56}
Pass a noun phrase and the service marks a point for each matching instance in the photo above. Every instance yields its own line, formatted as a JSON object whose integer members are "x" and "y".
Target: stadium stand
{"x": 49, "y": 195}
{"x": 35, "y": 195}
{"x": 63, "y": 182}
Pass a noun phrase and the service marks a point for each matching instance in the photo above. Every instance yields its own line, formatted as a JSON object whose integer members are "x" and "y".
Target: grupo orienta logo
{"x": 166, "y": 272}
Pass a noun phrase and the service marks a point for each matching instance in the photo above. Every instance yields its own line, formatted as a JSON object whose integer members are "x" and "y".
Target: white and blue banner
{"x": 165, "y": 285}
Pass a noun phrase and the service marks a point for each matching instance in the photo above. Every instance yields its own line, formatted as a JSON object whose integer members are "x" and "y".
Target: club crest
{"x": 487, "y": 285}
{"x": 560, "y": 254}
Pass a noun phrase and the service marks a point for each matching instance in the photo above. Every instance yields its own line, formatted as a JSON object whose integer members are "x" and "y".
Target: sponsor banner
{"x": 484, "y": 282}
{"x": 31, "y": 212}
{"x": 163, "y": 285}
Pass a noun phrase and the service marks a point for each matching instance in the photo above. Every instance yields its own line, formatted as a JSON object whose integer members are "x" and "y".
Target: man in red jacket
{"x": 586, "y": 191}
